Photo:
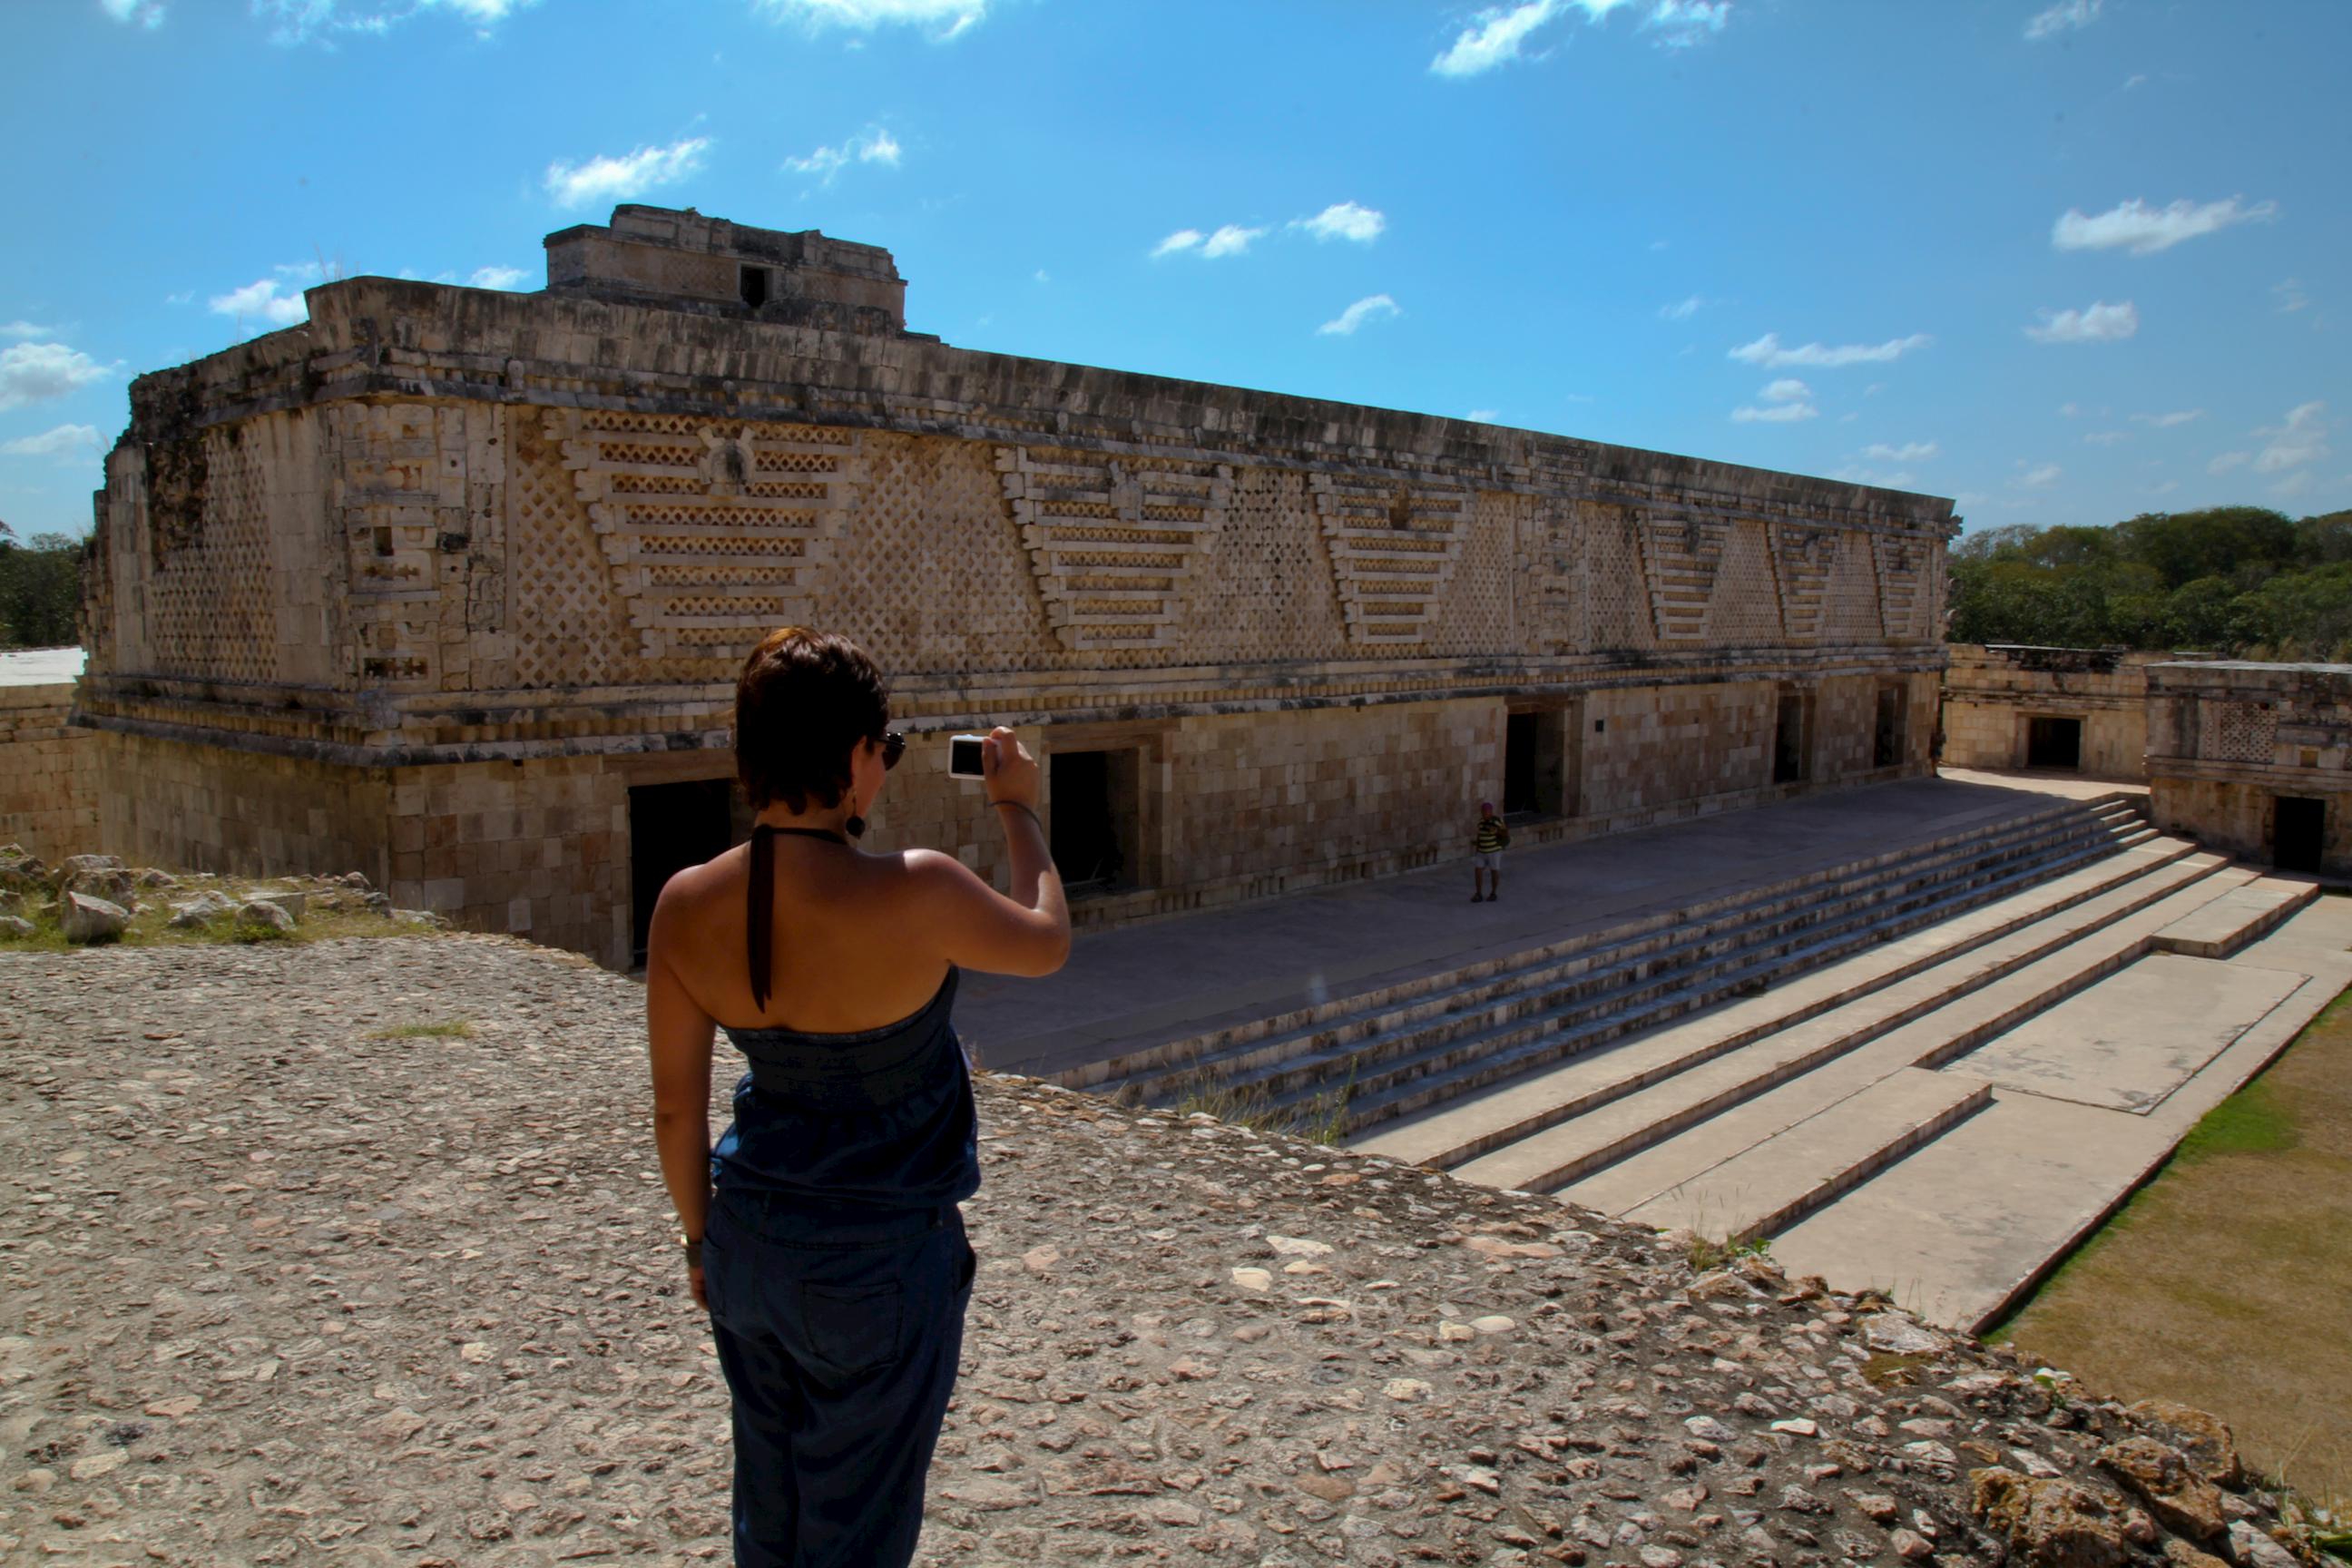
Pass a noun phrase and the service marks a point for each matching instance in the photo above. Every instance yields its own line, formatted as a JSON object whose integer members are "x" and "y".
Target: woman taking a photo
{"x": 822, "y": 1233}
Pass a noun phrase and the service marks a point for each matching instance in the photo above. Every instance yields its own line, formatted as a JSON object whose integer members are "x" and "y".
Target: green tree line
{"x": 40, "y": 590}
{"x": 2238, "y": 580}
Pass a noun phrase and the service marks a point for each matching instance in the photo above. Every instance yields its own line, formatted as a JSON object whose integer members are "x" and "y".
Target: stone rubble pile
{"x": 292, "y": 1281}
{"x": 95, "y": 896}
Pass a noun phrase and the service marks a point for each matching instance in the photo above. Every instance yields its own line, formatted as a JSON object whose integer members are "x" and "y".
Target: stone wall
{"x": 48, "y": 782}
{"x": 209, "y": 807}
{"x": 494, "y": 559}
{"x": 2230, "y": 741}
{"x": 1991, "y": 695}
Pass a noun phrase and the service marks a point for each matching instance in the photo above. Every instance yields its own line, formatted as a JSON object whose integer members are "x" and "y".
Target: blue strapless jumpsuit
{"x": 837, "y": 1270}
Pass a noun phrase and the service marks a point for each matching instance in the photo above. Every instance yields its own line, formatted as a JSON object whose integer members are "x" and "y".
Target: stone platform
{"x": 1129, "y": 990}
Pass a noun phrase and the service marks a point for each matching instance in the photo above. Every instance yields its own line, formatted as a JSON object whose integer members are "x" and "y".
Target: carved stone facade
{"x": 448, "y": 586}
{"x": 2254, "y": 759}
{"x": 2079, "y": 709}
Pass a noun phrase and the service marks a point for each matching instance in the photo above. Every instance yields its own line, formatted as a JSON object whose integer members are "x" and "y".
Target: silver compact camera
{"x": 965, "y": 758}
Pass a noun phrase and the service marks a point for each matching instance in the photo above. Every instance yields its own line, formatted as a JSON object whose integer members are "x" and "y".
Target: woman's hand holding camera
{"x": 1009, "y": 772}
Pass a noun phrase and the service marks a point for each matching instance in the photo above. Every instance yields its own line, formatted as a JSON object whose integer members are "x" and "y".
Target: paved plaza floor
{"x": 1140, "y": 985}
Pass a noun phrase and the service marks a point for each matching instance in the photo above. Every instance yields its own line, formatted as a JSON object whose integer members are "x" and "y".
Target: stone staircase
{"x": 1745, "y": 1120}
{"x": 1412, "y": 1048}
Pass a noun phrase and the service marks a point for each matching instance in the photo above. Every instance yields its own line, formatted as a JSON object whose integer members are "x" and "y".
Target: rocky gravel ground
{"x": 356, "y": 1252}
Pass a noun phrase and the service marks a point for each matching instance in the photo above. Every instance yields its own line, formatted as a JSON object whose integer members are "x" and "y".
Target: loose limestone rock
{"x": 263, "y": 915}
{"x": 2204, "y": 1440}
{"x": 2182, "y": 1500}
{"x": 2051, "y": 1523}
{"x": 87, "y": 920}
{"x": 15, "y": 926}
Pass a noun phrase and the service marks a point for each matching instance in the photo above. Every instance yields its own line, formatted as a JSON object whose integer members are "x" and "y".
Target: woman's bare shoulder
{"x": 695, "y": 889}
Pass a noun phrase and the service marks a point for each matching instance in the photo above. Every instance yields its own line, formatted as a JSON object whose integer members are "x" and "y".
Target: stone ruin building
{"x": 2252, "y": 760}
{"x": 2074, "y": 709}
{"x": 449, "y": 586}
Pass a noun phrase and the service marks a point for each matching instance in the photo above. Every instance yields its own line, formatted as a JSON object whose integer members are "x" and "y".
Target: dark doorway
{"x": 1094, "y": 813}
{"x": 672, "y": 827}
{"x": 1788, "y": 746}
{"x": 1519, "y": 730}
{"x": 2298, "y": 832}
{"x": 2053, "y": 742}
{"x": 1886, "y": 746}
{"x": 753, "y": 283}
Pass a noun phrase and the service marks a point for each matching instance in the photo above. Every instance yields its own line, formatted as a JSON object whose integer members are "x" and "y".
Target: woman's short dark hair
{"x": 805, "y": 700}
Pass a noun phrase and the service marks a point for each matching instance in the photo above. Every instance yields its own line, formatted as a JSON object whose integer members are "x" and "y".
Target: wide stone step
{"x": 2116, "y": 817}
{"x": 1408, "y": 1069}
{"x": 1767, "y": 1186}
{"x": 1942, "y": 1012}
{"x": 2240, "y": 916}
{"x": 2003, "y": 932}
{"x": 1620, "y": 975}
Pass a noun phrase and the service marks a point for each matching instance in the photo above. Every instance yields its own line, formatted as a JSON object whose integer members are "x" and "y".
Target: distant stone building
{"x": 48, "y": 777}
{"x": 2254, "y": 759}
{"x": 449, "y": 586}
{"x": 2080, "y": 710}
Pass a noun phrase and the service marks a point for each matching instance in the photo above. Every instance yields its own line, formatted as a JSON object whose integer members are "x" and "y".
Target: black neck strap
{"x": 759, "y": 928}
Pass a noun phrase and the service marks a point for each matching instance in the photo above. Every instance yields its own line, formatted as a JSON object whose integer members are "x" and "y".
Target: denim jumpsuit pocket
{"x": 855, "y": 1329}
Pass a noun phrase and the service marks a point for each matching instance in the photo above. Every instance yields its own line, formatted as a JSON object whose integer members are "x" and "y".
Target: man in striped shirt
{"x": 1486, "y": 865}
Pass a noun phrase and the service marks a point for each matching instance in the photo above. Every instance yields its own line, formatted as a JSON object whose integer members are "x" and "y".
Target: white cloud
{"x": 2167, "y": 421}
{"x": 2063, "y": 17}
{"x": 2038, "y": 478}
{"x": 2147, "y": 230}
{"x": 1679, "y": 24}
{"x": 2104, "y": 437}
{"x": 263, "y": 300}
{"x": 25, "y": 330}
{"x": 608, "y": 179}
{"x": 1344, "y": 220}
{"x": 1493, "y": 38}
{"x": 1495, "y": 35}
{"x": 2229, "y": 460}
{"x": 1684, "y": 310}
{"x": 496, "y": 278}
{"x": 2098, "y": 323}
{"x": 2290, "y": 296}
{"x": 2302, "y": 439}
{"x": 299, "y": 21}
{"x": 1909, "y": 452}
{"x": 950, "y": 19}
{"x": 1900, "y": 479}
{"x": 1043, "y": 276}
{"x": 1778, "y": 414}
{"x": 1788, "y": 389}
{"x": 34, "y": 373}
{"x": 139, "y": 13}
{"x": 1231, "y": 239}
{"x": 65, "y": 443}
{"x": 1373, "y": 307}
{"x": 2069, "y": 410}
{"x": 876, "y": 146}
{"x": 1768, "y": 351}
{"x": 1481, "y": 415}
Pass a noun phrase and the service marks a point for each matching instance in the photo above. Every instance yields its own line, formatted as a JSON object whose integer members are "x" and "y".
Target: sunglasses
{"x": 894, "y": 746}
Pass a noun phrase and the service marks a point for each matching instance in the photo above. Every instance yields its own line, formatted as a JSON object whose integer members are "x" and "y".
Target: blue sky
{"x": 2064, "y": 260}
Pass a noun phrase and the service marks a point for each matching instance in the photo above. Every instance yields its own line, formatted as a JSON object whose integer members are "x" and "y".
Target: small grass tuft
{"x": 446, "y": 1029}
{"x": 2250, "y": 1121}
{"x": 1706, "y": 1255}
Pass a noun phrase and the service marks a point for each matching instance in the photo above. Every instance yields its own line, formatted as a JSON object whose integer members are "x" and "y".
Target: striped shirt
{"x": 1490, "y": 834}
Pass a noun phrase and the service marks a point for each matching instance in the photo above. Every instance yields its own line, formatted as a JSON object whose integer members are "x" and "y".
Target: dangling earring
{"x": 856, "y": 825}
